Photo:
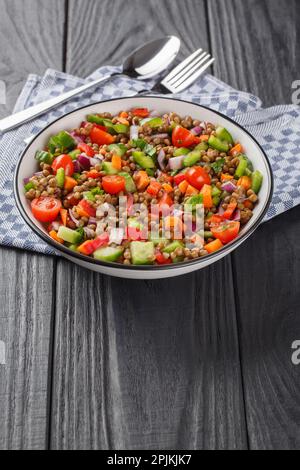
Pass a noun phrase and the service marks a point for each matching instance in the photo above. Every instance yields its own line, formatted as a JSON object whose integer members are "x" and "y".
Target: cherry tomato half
{"x": 100, "y": 137}
{"x": 226, "y": 232}
{"x": 87, "y": 149}
{"x": 65, "y": 162}
{"x": 113, "y": 184}
{"x": 45, "y": 209}
{"x": 197, "y": 177}
{"x": 182, "y": 137}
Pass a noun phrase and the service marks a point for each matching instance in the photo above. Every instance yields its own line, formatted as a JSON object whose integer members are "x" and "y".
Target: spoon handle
{"x": 17, "y": 119}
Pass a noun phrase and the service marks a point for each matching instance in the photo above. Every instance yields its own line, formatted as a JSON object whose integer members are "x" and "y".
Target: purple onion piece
{"x": 77, "y": 168}
{"x": 176, "y": 163}
{"x": 38, "y": 173}
{"x": 229, "y": 187}
{"x": 84, "y": 161}
{"x": 161, "y": 159}
{"x": 94, "y": 161}
{"x": 159, "y": 136}
{"x": 197, "y": 130}
{"x": 76, "y": 222}
{"x": 26, "y": 180}
{"x": 93, "y": 221}
{"x": 78, "y": 138}
{"x": 89, "y": 232}
{"x": 55, "y": 225}
{"x": 236, "y": 215}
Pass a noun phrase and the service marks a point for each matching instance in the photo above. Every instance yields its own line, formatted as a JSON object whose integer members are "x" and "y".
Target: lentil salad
{"x": 148, "y": 159}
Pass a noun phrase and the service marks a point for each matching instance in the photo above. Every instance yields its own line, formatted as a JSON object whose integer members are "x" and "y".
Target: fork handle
{"x": 17, "y": 119}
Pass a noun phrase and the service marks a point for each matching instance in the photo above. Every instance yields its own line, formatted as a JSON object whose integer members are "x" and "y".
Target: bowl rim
{"x": 213, "y": 256}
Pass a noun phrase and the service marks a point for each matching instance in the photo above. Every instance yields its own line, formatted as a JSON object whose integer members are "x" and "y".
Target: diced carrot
{"x": 213, "y": 246}
{"x": 207, "y": 196}
{"x": 236, "y": 150}
{"x": 246, "y": 182}
{"x": 64, "y": 216}
{"x": 116, "y": 162}
{"x": 215, "y": 219}
{"x": 154, "y": 188}
{"x": 204, "y": 138}
{"x": 191, "y": 191}
{"x": 226, "y": 177}
{"x": 230, "y": 210}
{"x": 183, "y": 186}
{"x": 70, "y": 183}
{"x": 123, "y": 114}
{"x": 93, "y": 174}
{"x": 81, "y": 212}
{"x": 167, "y": 187}
{"x": 55, "y": 237}
{"x": 172, "y": 222}
{"x": 142, "y": 180}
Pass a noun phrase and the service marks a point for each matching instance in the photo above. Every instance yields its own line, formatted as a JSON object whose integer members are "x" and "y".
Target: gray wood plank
{"x": 143, "y": 364}
{"x": 267, "y": 266}
{"x": 31, "y": 37}
{"x": 255, "y": 44}
{"x": 25, "y": 328}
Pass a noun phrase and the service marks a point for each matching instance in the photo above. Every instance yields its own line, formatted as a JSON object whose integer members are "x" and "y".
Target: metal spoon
{"x": 145, "y": 62}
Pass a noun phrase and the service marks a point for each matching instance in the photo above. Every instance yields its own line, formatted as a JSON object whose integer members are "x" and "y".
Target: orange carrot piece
{"x": 55, "y": 237}
{"x": 207, "y": 196}
{"x": 226, "y": 177}
{"x": 123, "y": 114}
{"x": 142, "y": 180}
{"x": 204, "y": 138}
{"x": 70, "y": 183}
{"x": 236, "y": 150}
{"x": 122, "y": 120}
{"x": 183, "y": 186}
{"x": 246, "y": 182}
{"x": 191, "y": 191}
{"x": 64, "y": 216}
{"x": 213, "y": 246}
{"x": 116, "y": 162}
{"x": 167, "y": 187}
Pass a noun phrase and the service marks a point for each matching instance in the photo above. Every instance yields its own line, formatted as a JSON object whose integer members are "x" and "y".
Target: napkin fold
{"x": 277, "y": 129}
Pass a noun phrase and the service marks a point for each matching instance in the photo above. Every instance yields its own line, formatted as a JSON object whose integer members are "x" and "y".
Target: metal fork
{"x": 184, "y": 74}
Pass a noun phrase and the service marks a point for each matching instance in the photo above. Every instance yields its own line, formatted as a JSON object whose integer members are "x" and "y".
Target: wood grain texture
{"x": 31, "y": 38}
{"x": 25, "y": 327}
{"x": 268, "y": 307}
{"x": 143, "y": 364}
{"x": 146, "y": 365}
{"x": 267, "y": 266}
{"x": 256, "y": 45}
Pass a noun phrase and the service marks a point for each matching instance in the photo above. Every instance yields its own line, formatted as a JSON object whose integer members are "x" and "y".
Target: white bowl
{"x": 27, "y": 166}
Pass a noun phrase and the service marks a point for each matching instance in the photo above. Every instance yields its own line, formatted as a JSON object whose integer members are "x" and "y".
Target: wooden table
{"x": 198, "y": 362}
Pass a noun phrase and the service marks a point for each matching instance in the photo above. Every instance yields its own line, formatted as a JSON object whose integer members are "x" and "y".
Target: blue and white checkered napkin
{"x": 277, "y": 129}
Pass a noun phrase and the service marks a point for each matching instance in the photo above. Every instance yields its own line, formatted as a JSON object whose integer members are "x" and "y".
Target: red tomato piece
{"x": 179, "y": 178}
{"x": 65, "y": 162}
{"x": 198, "y": 177}
{"x": 100, "y": 137}
{"x": 226, "y": 232}
{"x": 86, "y": 208}
{"x": 161, "y": 259}
{"x": 87, "y": 149}
{"x": 113, "y": 184}
{"x": 182, "y": 137}
{"x": 140, "y": 112}
{"x": 45, "y": 209}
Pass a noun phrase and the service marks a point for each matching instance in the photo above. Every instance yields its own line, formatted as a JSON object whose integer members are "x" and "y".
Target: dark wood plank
{"x": 31, "y": 36}
{"x": 25, "y": 328}
{"x": 255, "y": 43}
{"x": 143, "y": 364}
{"x": 267, "y": 266}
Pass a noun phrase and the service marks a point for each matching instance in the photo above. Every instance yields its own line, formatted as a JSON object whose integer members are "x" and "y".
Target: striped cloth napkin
{"x": 277, "y": 129}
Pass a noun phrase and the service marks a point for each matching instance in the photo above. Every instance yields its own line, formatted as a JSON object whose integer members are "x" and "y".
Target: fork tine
{"x": 185, "y": 83}
{"x": 182, "y": 65}
{"x": 191, "y": 70}
{"x": 191, "y": 66}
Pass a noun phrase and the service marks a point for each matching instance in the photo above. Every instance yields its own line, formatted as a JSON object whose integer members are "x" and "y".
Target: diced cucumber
{"x": 155, "y": 122}
{"x": 144, "y": 161}
{"x": 242, "y": 167}
{"x": 257, "y": 180}
{"x": 69, "y": 235}
{"x": 142, "y": 252}
{"x": 134, "y": 223}
{"x": 173, "y": 246}
{"x": 121, "y": 128}
{"x": 157, "y": 241}
{"x": 95, "y": 119}
{"x": 181, "y": 151}
{"x": 223, "y": 134}
{"x": 129, "y": 183}
{"x": 202, "y": 146}
{"x": 73, "y": 247}
{"x": 192, "y": 158}
{"x": 118, "y": 149}
{"x": 218, "y": 144}
{"x": 60, "y": 177}
{"x": 216, "y": 191}
{"x": 74, "y": 154}
{"x": 194, "y": 200}
{"x": 109, "y": 168}
{"x": 108, "y": 253}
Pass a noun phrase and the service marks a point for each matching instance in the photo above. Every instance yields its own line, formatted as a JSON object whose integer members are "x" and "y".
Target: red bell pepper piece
{"x": 87, "y": 149}
{"x": 179, "y": 178}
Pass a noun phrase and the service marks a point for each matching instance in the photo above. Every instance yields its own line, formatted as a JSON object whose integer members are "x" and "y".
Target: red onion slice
{"x": 197, "y": 130}
{"x": 134, "y": 132}
{"x": 116, "y": 236}
{"x": 236, "y": 215}
{"x": 93, "y": 221}
{"x": 84, "y": 161}
{"x": 229, "y": 186}
{"x": 176, "y": 163}
{"x": 76, "y": 222}
{"x": 159, "y": 136}
{"x": 78, "y": 138}
{"x": 161, "y": 159}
